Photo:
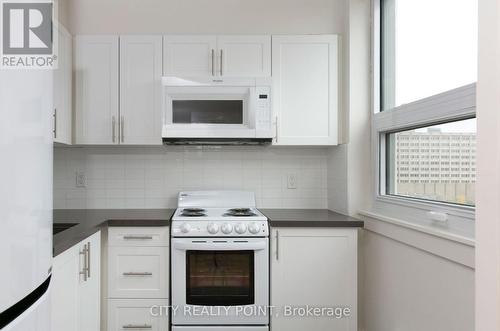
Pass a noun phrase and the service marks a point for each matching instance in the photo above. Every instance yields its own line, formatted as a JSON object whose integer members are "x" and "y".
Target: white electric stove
{"x": 220, "y": 262}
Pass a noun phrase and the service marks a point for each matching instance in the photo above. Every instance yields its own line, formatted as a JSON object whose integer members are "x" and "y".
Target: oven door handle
{"x": 257, "y": 246}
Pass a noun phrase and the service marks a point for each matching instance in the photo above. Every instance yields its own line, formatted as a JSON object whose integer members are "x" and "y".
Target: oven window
{"x": 220, "y": 278}
{"x": 207, "y": 111}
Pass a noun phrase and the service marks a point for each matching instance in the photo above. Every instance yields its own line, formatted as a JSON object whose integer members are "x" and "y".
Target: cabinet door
{"x": 244, "y": 56}
{"x": 315, "y": 267}
{"x": 96, "y": 89}
{"x": 63, "y": 88}
{"x": 90, "y": 289}
{"x": 64, "y": 290}
{"x": 306, "y": 97}
{"x": 189, "y": 56}
{"x": 140, "y": 90}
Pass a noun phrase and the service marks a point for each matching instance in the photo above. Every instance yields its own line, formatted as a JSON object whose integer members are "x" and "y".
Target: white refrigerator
{"x": 26, "y": 150}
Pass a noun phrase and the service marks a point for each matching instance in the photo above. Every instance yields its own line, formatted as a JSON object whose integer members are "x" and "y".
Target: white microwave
{"x": 229, "y": 111}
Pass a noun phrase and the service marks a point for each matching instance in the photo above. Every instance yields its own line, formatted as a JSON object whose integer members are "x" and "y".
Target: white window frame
{"x": 453, "y": 105}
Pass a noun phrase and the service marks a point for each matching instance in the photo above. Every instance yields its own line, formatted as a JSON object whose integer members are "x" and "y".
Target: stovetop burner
{"x": 193, "y": 212}
{"x": 240, "y": 212}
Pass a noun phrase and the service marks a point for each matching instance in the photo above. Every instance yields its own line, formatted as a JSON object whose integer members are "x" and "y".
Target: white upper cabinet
{"x": 217, "y": 56}
{"x": 306, "y": 89}
{"x": 189, "y": 56}
{"x": 244, "y": 56}
{"x": 63, "y": 88}
{"x": 140, "y": 90}
{"x": 96, "y": 89}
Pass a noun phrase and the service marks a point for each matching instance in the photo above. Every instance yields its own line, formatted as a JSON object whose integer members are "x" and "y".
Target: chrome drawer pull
{"x": 132, "y": 326}
{"x": 88, "y": 259}
{"x": 85, "y": 268}
{"x": 137, "y": 274}
{"x": 137, "y": 237}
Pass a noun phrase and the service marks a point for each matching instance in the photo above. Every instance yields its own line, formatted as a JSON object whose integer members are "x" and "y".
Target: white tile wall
{"x": 126, "y": 177}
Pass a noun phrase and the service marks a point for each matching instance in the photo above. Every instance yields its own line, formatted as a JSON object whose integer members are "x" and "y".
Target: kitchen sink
{"x": 60, "y": 227}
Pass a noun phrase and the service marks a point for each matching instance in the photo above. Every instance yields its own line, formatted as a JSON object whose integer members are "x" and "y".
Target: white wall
{"x": 402, "y": 287}
{"x": 63, "y": 12}
{"x": 207, "y": 16}
{"x": 125, "y": 177}
{"x": 349, "y": 178}
{"x": 409, "y": 289}
{"x": 488, "y": 165}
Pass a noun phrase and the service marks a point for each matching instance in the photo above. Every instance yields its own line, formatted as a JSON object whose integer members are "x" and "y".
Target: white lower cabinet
{"x": 137, "y": 314}
{"x": 314, "y": 267}
{"x": 137, "y": 278}
{"x": 76, "y": 280}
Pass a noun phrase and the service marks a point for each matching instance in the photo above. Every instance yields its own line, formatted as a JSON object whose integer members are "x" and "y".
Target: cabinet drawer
{"x": 135, "y": 314}
{"x": 138, "y": 236}
{"x": 138, "y": 272}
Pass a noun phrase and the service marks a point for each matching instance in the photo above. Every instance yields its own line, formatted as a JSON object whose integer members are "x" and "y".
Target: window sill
{"x": 439, "y": 242}
{"x": 434, "y": 231}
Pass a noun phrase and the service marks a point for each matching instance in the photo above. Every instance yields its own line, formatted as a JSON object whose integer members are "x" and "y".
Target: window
{"x": 428, "y": 47}
{"x": 425, "y": 61}
{"x": 445, "y": 190}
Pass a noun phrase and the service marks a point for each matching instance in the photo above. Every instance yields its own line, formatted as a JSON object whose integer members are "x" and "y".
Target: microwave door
{"x": 208, "y": 112}
{"x": 222, "y": 112}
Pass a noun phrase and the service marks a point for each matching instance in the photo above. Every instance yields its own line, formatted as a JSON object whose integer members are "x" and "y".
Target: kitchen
{"x": 233, "y": 165}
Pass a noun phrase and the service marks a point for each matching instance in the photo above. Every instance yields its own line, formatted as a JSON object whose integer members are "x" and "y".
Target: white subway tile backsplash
{"x": 151, "y": 177}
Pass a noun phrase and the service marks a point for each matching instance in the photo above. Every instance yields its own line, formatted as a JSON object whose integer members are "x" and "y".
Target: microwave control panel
{"x": 263, "y": 109}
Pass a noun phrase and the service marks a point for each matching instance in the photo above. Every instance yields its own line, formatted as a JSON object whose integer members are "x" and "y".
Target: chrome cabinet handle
{"x": 137, "y": 237}
{"x": 277, "y": 245}
{"x": 88, "y": 259}
{"x": 138, "y": 274}
{"x": 55, "y": 123}
{"x": 221, "y": 57}
{"x": 113, "y": 128}
{"x": 122, "y": 128}
{"x": 213, "y": 62}
{"x": 84, "y": 271}
{"x": 133, "y": 326}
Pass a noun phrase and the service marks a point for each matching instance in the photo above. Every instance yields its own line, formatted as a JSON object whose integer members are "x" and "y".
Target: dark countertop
{"x": 310, "y": 218}
{"x": 92, "y": 220}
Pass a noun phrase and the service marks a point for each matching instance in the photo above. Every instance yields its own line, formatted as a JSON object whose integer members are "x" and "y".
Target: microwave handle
{"x": 277, "y": 128}
{"x": 258, "y": 246}
{"x": 221, "y": 61}
{"x": 213, "y": 62}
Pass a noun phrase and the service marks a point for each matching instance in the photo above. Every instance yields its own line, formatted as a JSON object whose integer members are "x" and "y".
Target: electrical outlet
{"x": 81, "y": 179}
{"x": 291, "y": 181}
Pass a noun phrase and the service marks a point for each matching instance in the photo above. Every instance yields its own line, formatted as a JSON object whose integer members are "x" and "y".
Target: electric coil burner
{"x": 220, "y": 261}
{"x": 193, "y": 212}
{"x": 240, "y": 212}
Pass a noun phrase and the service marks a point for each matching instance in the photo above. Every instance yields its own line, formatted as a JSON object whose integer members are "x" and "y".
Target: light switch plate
{"x": 81, "y": 179}
{"x": 291, "y": 179}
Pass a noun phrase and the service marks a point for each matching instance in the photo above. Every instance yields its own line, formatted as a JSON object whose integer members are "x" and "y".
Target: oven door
{"x": 209, "y": 112}
{"x": 220, "y": 281}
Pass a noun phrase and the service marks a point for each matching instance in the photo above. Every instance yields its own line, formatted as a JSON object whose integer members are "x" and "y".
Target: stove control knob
{"x": 254, "y": 228}
{"x": 241, "y": 228}
{"x": 185, "y": 228}
{"x": 227, "y": 228}
{"x": 213, "y": 228}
